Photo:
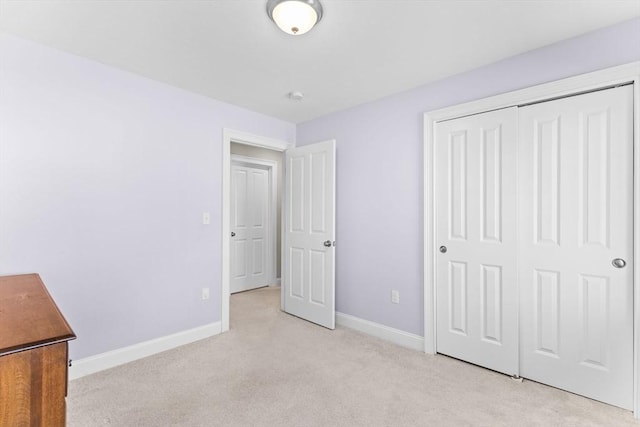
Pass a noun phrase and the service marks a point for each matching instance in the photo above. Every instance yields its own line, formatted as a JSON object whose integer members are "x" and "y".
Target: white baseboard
{"x": 396, "y": 336}
{"x": 277, "y": 282}
{"x": 100, "y": 362}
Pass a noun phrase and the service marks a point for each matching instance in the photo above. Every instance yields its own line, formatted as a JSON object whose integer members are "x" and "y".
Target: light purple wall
{"x": 104, "y": 176}
{"x": 380, "y": 173}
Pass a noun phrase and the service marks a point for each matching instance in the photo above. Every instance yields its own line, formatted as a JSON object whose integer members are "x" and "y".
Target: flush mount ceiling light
{"x": 295, "y": 17}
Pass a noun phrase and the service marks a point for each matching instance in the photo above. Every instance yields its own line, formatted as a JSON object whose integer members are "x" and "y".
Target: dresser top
{"x": 28, "y": 315}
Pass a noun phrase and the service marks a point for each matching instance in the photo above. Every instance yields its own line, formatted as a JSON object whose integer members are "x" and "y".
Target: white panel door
{"x": 476, "y": 288}
{"x": 308, "y": 273}
{"x": 250, "y": 198}
{"x": 576, "y": 308}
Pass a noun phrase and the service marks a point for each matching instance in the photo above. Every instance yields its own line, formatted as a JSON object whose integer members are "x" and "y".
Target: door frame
{"x": 245, "y": 138}
{"x": 272, "y": 171}
{"x": 609, "y": 77}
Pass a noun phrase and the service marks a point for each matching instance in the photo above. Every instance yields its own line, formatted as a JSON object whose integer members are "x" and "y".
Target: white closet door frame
{"x": 245, "y": 138}
{"x": 272, "y": 168}
{"x": 610, "y": 77}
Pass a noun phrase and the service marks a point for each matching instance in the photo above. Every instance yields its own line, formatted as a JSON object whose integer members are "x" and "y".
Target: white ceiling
{"x": 360, "y": 51}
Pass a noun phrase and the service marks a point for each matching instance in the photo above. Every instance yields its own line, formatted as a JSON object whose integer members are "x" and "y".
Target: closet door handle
{"x": 233, "y": 234}
{"x": 619, "y": 263}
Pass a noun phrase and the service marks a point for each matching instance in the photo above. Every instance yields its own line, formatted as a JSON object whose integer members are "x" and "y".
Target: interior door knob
{"x": 443, "y": 249}
{"x": 233, "y": 234}
{"x": 619, "y": 263}
{"x": 327, "y": 243}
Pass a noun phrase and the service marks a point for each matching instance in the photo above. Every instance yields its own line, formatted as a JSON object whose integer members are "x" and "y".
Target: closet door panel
{"x": 575, "y": 192}
{"x": 476, "y": 288}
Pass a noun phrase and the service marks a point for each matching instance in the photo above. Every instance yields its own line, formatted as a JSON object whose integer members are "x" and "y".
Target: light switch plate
{"x": 395, "y": 297}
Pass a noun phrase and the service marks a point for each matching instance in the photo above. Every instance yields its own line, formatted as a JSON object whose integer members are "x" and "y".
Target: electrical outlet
{"x": 206, "y": 218}
{"x": 395, "y": 297}
{"x": 205, "y": 293}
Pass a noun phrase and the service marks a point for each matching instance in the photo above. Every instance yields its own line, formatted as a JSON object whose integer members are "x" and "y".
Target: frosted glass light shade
{"x": 294, "y": 17}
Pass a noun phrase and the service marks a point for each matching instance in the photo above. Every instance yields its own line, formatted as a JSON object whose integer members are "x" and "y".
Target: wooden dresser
{"x": 33, "y": 354}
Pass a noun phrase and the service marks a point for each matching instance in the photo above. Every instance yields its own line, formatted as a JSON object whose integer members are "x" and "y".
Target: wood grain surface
{"x": 28, "y": 315}
{"x": 33, "y": 355}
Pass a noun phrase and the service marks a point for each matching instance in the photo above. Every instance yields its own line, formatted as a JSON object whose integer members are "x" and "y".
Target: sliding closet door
{"x": 576, "y": 234}
{"x": 476, "y": 288}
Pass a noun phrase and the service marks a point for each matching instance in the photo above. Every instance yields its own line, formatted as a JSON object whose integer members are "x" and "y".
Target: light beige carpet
{"x": 272, "y": 369}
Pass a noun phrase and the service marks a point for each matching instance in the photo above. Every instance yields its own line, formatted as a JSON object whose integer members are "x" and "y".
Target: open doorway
{"x": 256, "y": 217}
{"x": 309, "y": 189}
{"x": 248, "y": 148}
